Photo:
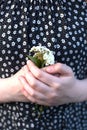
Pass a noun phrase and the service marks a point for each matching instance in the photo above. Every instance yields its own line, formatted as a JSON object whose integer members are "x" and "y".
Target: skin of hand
{"x": 51, "y": 86}
{"x": 10, "y": 89}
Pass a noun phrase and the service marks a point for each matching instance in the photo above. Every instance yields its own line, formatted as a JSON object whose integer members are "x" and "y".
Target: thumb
{"x": 59, "y": 68}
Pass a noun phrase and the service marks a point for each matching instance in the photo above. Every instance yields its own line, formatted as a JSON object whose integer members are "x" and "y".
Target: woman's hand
{"x": 53, "y": 85}
{"x": 10, "y": 89}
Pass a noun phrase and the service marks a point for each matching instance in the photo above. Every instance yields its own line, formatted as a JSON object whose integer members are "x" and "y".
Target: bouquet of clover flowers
{"x": 41, "y": 57}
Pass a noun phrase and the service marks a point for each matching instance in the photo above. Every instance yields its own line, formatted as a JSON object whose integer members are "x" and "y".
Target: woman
{"x": 61, "y": 88}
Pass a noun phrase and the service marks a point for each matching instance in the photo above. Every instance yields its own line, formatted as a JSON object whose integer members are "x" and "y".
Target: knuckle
{"x": 56, "y": 86}
{"x": 38, "y": 74}
{"x": 60, "y": 65}
{"x": 33, "y": 100}
{"x": 33, "y": 83}
{"x": 33, "y": 93}
{"x": 52, "y": 96}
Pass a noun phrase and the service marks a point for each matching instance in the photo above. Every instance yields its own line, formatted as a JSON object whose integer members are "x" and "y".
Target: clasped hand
{"x": 51, "y": 86}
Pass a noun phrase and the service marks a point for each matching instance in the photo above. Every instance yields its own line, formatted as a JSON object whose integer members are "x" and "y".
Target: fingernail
{"x": 28, "y": 62}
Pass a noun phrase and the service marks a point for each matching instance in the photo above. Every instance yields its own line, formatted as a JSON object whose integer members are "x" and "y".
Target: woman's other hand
{"x": 53, "y": 85}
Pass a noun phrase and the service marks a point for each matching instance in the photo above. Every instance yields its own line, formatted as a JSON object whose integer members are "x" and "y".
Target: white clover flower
{"x": 49, "y": 58}
{"x": 43, "y": 54}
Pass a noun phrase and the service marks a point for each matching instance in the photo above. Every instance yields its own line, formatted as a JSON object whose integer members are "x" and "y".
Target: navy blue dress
{"x": 61, "y": 25}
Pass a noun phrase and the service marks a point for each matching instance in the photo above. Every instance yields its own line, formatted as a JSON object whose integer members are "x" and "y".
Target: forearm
{"x": 82, "y": 90}
{"x": 5, "y": 90}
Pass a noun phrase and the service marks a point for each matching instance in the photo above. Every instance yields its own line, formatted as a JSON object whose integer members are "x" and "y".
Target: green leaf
{"x": 36, "y": 61}
{"x": 43, "y": 64}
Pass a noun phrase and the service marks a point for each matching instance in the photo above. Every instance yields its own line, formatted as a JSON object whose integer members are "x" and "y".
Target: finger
{"x": 37, "y": 85}
{"x": 25, "y": 69}
{"x": 34, "y": 100}
{"x": 41, "y": 75}
{"x": 54, "y": 74}
{"x": 59, "y": 68}
{"x": 39, "y": 99}
{"x": 30, "y": 91}
{"x": 25, "y": 84}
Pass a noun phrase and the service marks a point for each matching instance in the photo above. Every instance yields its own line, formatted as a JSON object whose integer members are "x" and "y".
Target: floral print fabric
{"x": 60, "y": 25}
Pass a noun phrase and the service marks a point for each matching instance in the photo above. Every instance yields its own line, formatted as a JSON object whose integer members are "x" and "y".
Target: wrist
{"x": 16, "y": 88}
{"x": 10, "y": 90}
{"x": 81, "y": 90}
{"x": 5, "y": 90}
